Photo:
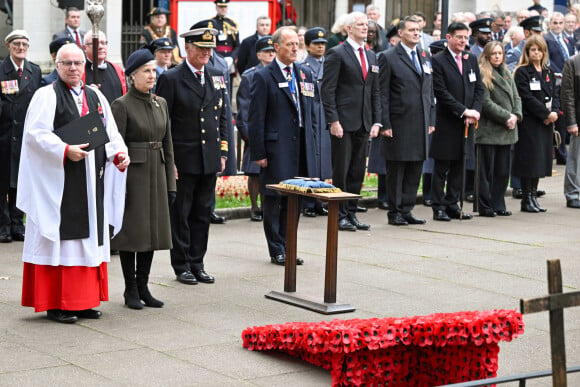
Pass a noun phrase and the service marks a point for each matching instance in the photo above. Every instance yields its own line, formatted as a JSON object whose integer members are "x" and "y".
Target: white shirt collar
{"x": 283, "y": 66}
{"x": 193, "y": 69}
{"x": 454, "y": 55}
{"x": 354, "y": 44}
{"x": 14, "y": 64}
{"x": 407, "y": 49}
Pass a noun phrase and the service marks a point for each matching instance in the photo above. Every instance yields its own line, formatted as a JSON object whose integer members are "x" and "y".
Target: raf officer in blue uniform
{"x": 281, "y": 133}
{"x": 195, "y": 95}
{"x": 162, "y": 49}
{"x": 315, "y": 40}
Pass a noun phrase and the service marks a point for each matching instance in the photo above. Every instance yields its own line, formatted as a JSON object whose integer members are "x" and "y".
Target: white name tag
{"x": 471, "y": 76}
{"x": 535, "y": 85}
{"x": 282, "y": 84}
{"x": 427, "y": 68}
{"x": 222, "y": 36}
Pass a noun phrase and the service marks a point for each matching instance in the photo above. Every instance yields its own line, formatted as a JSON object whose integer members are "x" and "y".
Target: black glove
{"x": 171, "y": 197}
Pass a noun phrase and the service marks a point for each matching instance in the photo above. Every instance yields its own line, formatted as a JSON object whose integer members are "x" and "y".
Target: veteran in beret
{"x": 195, "y": 95}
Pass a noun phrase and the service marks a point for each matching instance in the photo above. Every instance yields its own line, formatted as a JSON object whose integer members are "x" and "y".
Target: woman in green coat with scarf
{"x": 497, "y": 130}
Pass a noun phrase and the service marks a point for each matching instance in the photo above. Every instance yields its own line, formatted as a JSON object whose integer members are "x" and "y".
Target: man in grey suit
{"x": 72, "y": 22}
{"x": 407, "y": 122}
{"x": 352, "y": 106}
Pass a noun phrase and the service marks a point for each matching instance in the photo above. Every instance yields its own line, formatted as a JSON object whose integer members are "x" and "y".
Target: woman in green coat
{"x": 497, "y": 130}
{"x": 143, "y": 122}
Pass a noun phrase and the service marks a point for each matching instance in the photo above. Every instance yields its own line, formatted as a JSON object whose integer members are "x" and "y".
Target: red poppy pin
{"x": 466, "y": 56}
{"x": 547, "y": 77}
{"x": 302, "y": 75}
{"x": 100, "y": 109}
{"x": 423, "y": 54}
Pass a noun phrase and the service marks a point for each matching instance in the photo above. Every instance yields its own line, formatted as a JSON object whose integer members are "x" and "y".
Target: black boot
{"x": 128, "y": 265}
{"x": 144, "y": 260}
{"x": 535, "y": 195}
{"x": 527, "y": 203}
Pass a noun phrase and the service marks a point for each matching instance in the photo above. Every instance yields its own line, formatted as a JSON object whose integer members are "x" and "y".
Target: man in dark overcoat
{"x": 315, "y": 40}
{"x": 459, "y": 94}
{"x": 20, "y": 79}
{"x": 280, "y": 126}
{"x": 352, "y": 106}
{"x": 407, "y": 122}
{"x": 195, "y": 95}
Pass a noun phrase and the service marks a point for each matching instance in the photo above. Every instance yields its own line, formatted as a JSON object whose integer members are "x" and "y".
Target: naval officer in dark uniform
{"x": 195, "y": 95}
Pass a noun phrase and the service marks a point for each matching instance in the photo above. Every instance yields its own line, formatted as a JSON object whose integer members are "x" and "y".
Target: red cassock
{"x": 47, "y": 287}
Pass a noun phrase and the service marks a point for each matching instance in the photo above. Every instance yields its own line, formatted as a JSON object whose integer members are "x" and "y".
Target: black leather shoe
{"x": 540, "y": 193}
{"x": 359, "y": 226}
{"x": 216, "y": 219}
{"x": 256, "y": 216}
{"x": 470, "y": 198}
{"x": 441, "y": 215}
{"x": 488, "y": 213}
{"x": 573, "y": 203}
{"x": 61, "y": 317}
{"x": 202, "y": 276}
{"x": 321, "y": 211}
{"x": 503, "y": 213}
{"x": 278, "y": 260}
{"x": 87, "y": 313}
{"x": 186, "y": 278}
{"x": 383, "y": 205}
{"x": 5, "y": 238}
{"x": 428, "y": 202}
{"x": 410, "y": 218}
{"x": 560, "y": 161}
{"x": 309, "y": 212}
{"x": 346, "y": 225}
{"x": 457, "y": 215}
{"x": 517, "y": 193}
{"x": 396, "y": 219}
{"x": 18, "y": 236}
{"x": 361, "y": 209}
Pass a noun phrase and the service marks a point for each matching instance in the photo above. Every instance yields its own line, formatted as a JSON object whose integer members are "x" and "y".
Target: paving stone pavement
{"x": 484, "y": 263}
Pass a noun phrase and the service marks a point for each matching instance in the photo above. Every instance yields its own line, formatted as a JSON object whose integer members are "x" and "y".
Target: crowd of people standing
{"x": 492, "y": 102}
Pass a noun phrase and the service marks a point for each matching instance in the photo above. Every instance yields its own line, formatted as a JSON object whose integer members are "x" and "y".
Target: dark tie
{"x": 415, "y": 61}
{"x": 77, "y": 39}
{"x": 19, "y": 72}
{"x": 291, "y": 86}
{"x": 363, "y": 62}
{"x": 563, "y": 49}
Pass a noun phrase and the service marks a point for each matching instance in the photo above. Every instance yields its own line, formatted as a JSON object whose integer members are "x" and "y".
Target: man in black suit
{"x": 195, "y": 95}
{"x": 280, "y": 127}
{"x": 459, "y": 94}
{"x": 559, "y": 50}
{"x": 72, "y": 20}
{"x": 247, "y": 54}
{"x": 352, "y": 106}
{"x": 20, "y": 79}
{"x": 405, "y": 70}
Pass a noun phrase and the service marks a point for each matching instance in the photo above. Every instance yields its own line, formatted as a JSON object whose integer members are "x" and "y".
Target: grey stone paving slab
{"x": 67, "y": 375}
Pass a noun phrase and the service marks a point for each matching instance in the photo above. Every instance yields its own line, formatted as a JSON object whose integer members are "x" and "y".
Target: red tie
{"x": 363, "y": 62}
{"x": 19, "y": 72}
{"x": 78, "y": 40}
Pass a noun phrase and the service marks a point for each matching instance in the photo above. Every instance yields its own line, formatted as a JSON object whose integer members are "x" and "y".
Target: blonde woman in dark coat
{"x": 497, "y": 130}
{"x": 143, "y": 122}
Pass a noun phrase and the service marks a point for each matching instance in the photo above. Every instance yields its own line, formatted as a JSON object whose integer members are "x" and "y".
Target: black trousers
{"x": 349, "y": 165}
{"x": 450, "y": 171}
{"x": 275, "y": 215}
{"x": 403, "y": 179}
{"x": 11, "y": 218}
{"x": 494, "y": 174}
{"x": 190, "y": 219}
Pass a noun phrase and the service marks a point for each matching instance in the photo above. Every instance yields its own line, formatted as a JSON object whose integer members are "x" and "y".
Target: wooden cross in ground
{"x": 555, "y": 303}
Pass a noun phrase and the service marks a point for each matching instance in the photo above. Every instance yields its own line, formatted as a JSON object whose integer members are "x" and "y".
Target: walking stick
{"x": 464, "y": 168}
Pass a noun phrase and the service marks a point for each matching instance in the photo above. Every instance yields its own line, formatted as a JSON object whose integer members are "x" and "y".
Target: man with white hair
{"x": 70, "y": 196}
{"x": 20, "y": 79}
{"x": 352, "y": 106}
{"x": 111, "y": 78}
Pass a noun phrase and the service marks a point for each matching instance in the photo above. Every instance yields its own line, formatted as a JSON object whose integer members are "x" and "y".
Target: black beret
{"x": 392, "y": 31}
{"x": 56, "y": 44}
{"x": 315, "y": 35}
{"x": 137, "y": 59}
{"x": 482, "y": 25}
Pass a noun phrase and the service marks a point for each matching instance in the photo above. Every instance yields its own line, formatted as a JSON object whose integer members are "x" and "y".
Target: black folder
{"x": 87, "y": 129}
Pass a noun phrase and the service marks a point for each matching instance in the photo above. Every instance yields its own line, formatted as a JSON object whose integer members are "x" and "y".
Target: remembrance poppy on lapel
{"x": 547, "y": 77}
{"x": 100, "y": 109}
{"x": 423, "y": 54}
